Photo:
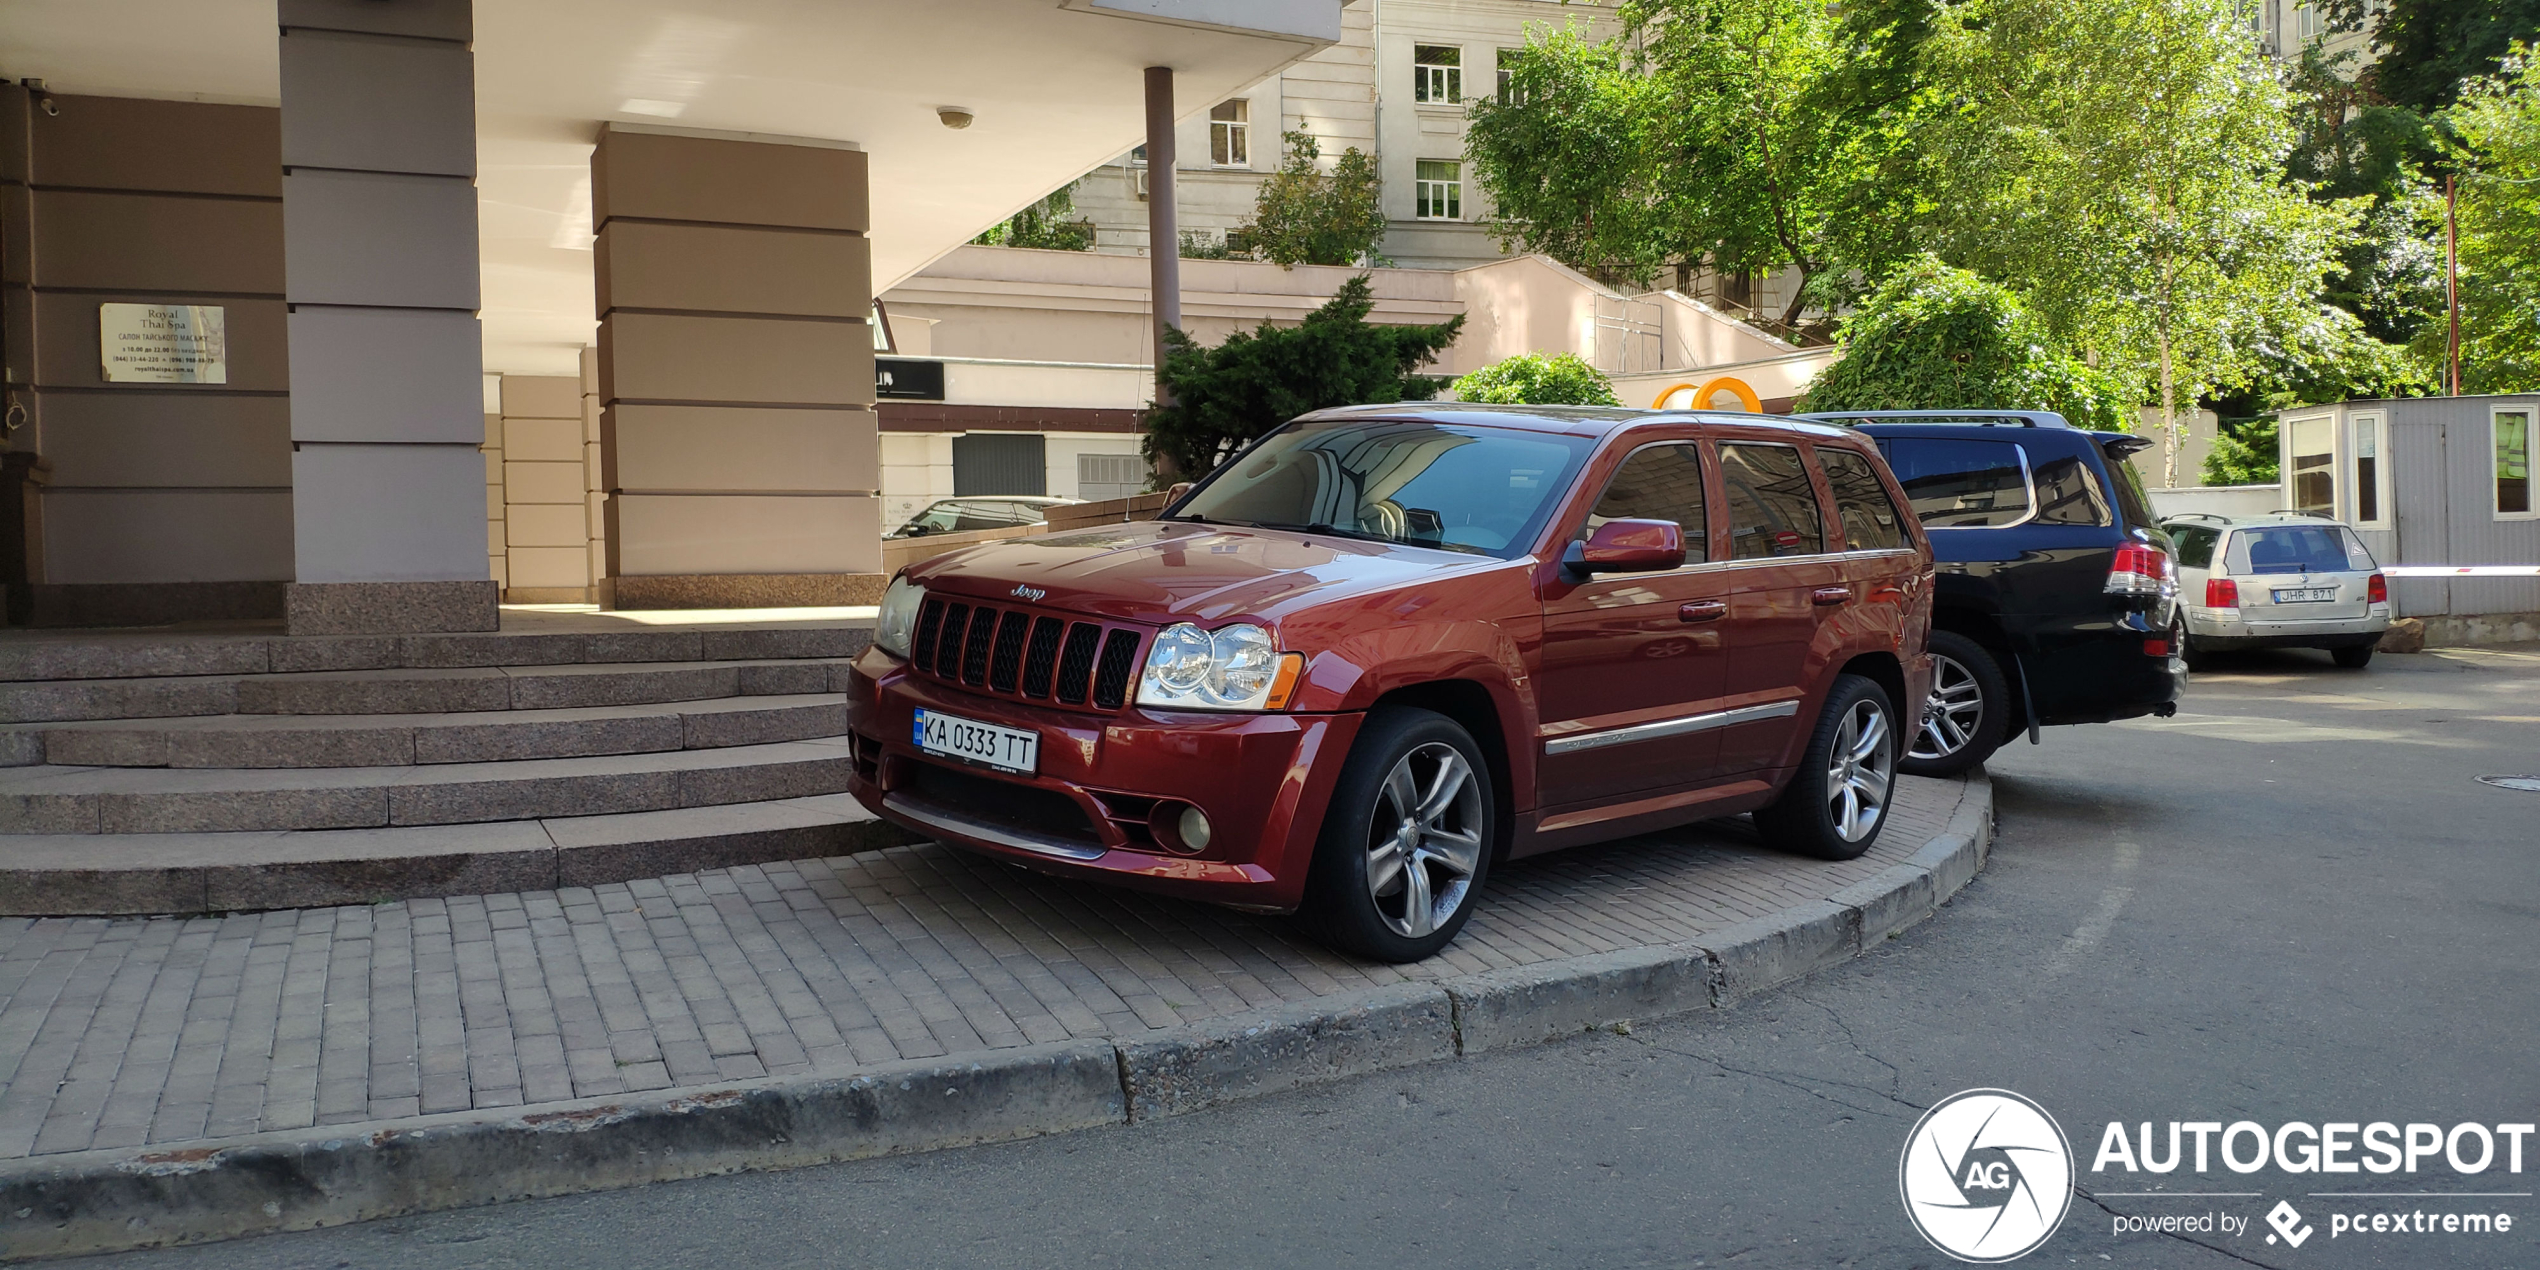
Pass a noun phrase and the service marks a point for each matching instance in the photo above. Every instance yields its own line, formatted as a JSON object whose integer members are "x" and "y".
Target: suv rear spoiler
{"x": 1995, "y": 418}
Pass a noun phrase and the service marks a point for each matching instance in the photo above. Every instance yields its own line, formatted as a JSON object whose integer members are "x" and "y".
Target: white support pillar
{"x": 380, "y": 260}
{"x": 1164, "y": 233}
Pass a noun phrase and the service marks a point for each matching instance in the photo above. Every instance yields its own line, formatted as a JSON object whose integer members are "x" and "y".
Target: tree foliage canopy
{"x": 1303, "y": 215}
{"x": 1533, "y": 379}
{"x": 1046, "y": 224}
{"x": 1223, "y": 397}
{"x": 2498, "y": 125}
{"x": 1937, "y": 338}
{"x": 2429, "y": 49}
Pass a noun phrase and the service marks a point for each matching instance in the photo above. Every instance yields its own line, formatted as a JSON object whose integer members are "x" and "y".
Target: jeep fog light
{"x": 1192, "y": 827}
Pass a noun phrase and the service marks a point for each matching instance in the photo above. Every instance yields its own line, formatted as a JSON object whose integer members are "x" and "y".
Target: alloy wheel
{"x": 1424, "y": 841}
{"x": 1951, "y": 712}
{"x": 1861, "y": 768}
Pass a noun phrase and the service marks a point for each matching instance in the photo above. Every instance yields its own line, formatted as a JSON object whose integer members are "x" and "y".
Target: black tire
{"x": 1952, "y": 738}
{"x": 1347, "y": 904}
{"x": 2352, "y": 656}
{"x": 1803, "y": 818}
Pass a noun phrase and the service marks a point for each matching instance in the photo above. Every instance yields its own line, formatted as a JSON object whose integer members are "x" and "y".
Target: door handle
{"x": 1832, "y": 594}
{"x": 1704, "y": 611}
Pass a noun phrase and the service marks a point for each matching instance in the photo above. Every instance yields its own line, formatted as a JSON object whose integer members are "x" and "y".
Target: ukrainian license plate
{"x": 1005, "y": 749}
{"x": 2305, "y": 595}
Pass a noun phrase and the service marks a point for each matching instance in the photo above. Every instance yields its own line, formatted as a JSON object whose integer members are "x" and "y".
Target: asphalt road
{"x": 2293, "y": 902}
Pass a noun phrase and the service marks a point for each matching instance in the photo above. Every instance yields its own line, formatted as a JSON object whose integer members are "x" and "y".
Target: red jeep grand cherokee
{"x": 1388, "y": 645}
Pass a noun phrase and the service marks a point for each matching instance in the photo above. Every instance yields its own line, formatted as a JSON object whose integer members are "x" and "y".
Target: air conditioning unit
{"x": 1138, "y": 183}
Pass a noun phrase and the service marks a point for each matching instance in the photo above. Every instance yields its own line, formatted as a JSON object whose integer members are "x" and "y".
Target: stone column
{"x": 380, "y": 264}
{"x": 546, "y": 516}
{"x": 1164, "y": 233}
{"x": 738, "y": 444}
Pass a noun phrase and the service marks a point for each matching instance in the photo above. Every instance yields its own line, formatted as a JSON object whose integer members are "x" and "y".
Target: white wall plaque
{"x": 163, "y": 343}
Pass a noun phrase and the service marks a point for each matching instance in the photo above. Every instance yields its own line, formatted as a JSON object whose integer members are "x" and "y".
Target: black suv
{"x": 2058, "y": 590}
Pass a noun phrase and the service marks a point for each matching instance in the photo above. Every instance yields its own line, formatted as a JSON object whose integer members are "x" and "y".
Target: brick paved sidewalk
{"x": 124, "y": 1032}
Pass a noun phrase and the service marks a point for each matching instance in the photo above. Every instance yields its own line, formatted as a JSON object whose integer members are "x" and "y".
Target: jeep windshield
{"x": 1452, "y": 486}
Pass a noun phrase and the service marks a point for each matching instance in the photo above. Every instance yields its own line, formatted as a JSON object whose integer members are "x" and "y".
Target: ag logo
{"x": 1986, "y": 1175}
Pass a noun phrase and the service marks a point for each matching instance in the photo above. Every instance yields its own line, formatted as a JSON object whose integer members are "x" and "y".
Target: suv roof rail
{"x": 1993, "y": 418}
{"x": 2198, "y": 516}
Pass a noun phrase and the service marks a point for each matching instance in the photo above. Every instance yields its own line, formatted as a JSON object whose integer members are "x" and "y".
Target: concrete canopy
{"x": 1053, "y": 89}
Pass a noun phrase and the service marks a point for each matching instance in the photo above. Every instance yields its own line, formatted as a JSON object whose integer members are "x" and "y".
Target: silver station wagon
{"x": 2286, "y": 580}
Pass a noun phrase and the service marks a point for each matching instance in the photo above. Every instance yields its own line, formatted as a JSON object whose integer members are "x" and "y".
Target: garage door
{"x": 1000, "y": 463}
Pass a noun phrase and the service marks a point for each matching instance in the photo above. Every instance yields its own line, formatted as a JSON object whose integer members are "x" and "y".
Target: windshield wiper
{"x": 1318, "y": 527}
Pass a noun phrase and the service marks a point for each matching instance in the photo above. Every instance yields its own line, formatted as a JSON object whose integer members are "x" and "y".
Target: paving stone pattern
{"x": 125, "y": 1032}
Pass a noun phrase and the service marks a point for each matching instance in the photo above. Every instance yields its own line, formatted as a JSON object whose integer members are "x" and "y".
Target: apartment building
{"x": 1397, "y": 87}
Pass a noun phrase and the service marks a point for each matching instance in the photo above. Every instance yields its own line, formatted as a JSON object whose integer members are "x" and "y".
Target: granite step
{"x": 417, "y": 690}
{"x": 182, "y": 873}
{"x": 89, "y": 655}
{"x": 384, "y": 740}
{"x": 132, "y": 800}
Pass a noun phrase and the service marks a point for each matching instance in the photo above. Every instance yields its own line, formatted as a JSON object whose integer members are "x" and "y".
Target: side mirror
{"x": 1627, "y": 546}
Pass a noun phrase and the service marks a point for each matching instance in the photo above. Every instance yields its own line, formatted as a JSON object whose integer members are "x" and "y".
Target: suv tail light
{"x": 2141, "y": 569}
{"x": 2222, "y": 593}
{"x": 2377, "y": 590}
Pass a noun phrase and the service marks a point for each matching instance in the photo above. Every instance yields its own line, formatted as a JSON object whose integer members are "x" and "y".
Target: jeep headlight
{"x": 1235, "y": 667}
{"x": 897, "y": 622}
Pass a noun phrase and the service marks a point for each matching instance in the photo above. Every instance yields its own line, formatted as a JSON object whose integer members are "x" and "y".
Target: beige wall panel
{"x": 542, "y": 440}
{"x": 122, "y": 143}
{"x": 727, "y": 269}
{"x": 599, "y": 565}
{"x": 726, "y": 182}
{"x": 735, "y": 533}
{"x": 550, "y": 566}
{"x": 495, "y": 538}
{"x": 494, "y": 431}
{"x": 738, "y": 448}
{"x": 153, "y": 242}
{"x": 650, "y": 357}
{"x": 168, "y": 439}
{"x": 493, "y": 502}
{"x": 167, "y": 535}
{"x": 595, "y": 514}
{"x": 542, "y": 397}
{"x": 499, "y": 567}
{"x": 494, "y": 471}
{"x": 259, "y": 354}
{"x": 546, "y": 525}
{"x": 591, "y": 467}
{"x": 541, "y": 483}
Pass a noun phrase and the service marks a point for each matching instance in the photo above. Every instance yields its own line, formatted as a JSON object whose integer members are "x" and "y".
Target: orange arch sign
{"x": 1747, "y": 400}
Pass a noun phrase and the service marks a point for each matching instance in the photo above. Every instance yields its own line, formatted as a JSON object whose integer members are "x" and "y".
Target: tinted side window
{"x": 1772, "y": 505}
{"x": 1659, "y": 482}
{"x": 1960, "y": 484}
{"x": 2195, "y": 546}
{"x": 2131, "y": 499}
{"x": 1867, "y": 515}
{"x": 2067, "y": 492}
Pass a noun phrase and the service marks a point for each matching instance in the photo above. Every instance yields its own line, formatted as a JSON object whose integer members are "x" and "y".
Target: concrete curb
{"x": 114, "y": 1201}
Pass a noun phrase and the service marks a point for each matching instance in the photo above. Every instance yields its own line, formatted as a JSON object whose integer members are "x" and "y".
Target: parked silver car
{"x": 2286, "y": 580}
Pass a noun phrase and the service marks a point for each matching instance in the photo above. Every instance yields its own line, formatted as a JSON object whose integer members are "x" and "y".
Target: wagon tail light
{"x": 2223, "y": 593}
{"x": 2377, "y": 590}
{"x": 2142, "y": 569}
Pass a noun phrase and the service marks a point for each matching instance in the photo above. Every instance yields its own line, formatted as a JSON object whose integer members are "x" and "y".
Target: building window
{"x": 1500, "y": 59}
{"x": 2371, "y": 475}
{"x": 2513, "y": 462}
{"x": 1230, "y": 134}
{"x": 1437, "y": 73}
{"x": 2306, "y": 23}
{"x": 2310, "y": 449}
{"x": 1439, "y": 189}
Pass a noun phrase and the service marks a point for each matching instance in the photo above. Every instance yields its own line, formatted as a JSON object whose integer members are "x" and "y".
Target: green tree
{"x": 1937, "y": 338}
{"x": 2428, "y": 49}
{"x": 2351, "y": 143}
{"x": 1223, "y": 397}
{"x": 1532, "y": 379}
{"x": 1739, "y": 133}
{"x": 2120, "y": 164}
{"x": 1306, "y": 216}
{"x": 1046, "y": 224}
{"x": 2497, "y": 122}
{"x": 2244, "y": 453}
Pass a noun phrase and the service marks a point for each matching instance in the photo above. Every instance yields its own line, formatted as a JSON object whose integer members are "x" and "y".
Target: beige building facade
{"x": 371, "y": 314}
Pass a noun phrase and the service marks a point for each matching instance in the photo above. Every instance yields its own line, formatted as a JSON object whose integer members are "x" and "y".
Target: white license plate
{"x": 2305, "y": 595}
{"x": 1005, "y": 749}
